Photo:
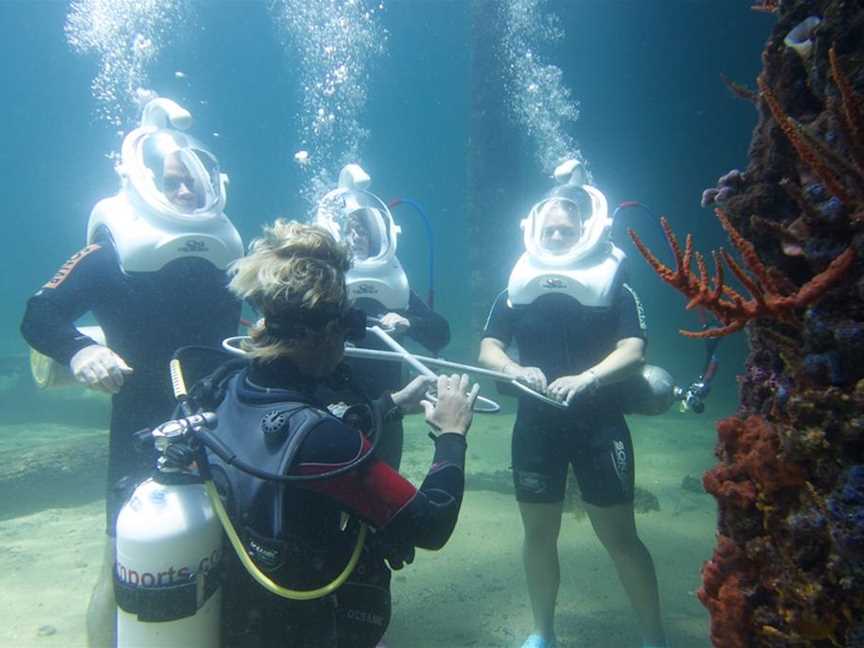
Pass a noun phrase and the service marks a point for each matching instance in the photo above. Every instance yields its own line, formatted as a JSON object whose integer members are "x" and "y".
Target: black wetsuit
{"x": 145, "y": 317}
{"x": 562, "y": 337}
{"x": 295, "y": 531}
{"x": 374, "y": 377}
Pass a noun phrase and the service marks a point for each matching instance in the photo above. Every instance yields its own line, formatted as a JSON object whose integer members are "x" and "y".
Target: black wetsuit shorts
{"x": 598, "y": 446}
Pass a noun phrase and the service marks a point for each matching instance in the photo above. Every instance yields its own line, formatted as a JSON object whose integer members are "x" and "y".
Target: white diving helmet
{"x": 363, "y": 221}
{"x": 171, "y": 197}
{"x": 568, "y": 248}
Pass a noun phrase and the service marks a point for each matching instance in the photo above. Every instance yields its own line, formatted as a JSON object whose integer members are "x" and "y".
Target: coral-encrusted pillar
{"x": 788, "y": 568}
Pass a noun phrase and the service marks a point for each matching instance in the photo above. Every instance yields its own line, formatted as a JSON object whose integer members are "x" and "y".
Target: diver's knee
{"x": 541, "y": 530}
{"x": 540, "y": 536}
{"x": 624, "y": 545}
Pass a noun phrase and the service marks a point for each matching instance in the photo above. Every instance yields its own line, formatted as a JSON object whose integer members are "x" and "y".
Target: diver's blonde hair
{"x": 292, "y": 266}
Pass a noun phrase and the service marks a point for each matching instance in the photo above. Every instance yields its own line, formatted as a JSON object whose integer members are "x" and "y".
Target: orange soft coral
{"x": 733, "y": 311}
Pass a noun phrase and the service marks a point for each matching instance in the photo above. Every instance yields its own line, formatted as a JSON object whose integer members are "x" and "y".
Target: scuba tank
{"x": 169, "y": 538}
{"x": 169, "y": 550}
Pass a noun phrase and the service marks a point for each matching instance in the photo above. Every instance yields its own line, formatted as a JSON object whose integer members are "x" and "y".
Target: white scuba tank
{"x": 169, "y": 549}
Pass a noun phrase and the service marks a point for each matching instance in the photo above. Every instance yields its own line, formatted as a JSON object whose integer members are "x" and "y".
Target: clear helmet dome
{"x": 567, "y": 225}
{"x": 363, "y": 222}
{"x": 174, "y": 174}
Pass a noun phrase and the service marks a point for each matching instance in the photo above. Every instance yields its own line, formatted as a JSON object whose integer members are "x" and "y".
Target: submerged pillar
{"x": 788, "y": 567}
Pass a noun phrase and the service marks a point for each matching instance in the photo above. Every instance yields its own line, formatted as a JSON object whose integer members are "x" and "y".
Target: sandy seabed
{"x": 470, "y": 594}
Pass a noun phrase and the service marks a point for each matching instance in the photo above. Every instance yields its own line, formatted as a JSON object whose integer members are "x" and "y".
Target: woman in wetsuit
{"x": 578, "y": 349}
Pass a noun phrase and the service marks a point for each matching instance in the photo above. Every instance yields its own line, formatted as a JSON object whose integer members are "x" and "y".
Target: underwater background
{"x": 428, "y": 112}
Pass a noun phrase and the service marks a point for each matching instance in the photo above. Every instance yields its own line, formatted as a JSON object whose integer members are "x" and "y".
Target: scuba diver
{"x": 299, "y": 526}
{"x": 378, "y": 285}
{"x": 153, "y": 274}
{"x": 580, "y": 333}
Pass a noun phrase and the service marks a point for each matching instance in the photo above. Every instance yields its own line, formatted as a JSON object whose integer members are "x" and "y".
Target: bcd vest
{"x": 293, "y": 534}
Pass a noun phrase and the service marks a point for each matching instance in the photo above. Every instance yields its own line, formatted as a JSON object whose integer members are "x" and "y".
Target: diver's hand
{"x": 98, "y": 367}
{"x": 408, "y": 398}
{"x": 395, "y": 323}
{"x": 453, "y": 411}
{"x": 531, "y": 376}
{"x": 566, "y": 388}
{"x": 397, "y": 556}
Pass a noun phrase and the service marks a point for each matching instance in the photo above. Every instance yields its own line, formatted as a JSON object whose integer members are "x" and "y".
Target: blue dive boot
{"x": 539, "y": 641}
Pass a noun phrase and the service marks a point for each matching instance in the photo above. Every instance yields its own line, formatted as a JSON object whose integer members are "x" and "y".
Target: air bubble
{"x": 334, "y": 43}
{"x": 538, "y": 99}
{"x": 126, "y": 35}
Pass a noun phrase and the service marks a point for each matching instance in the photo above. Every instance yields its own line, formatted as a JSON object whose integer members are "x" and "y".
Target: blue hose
{"x": 430, "y": 243}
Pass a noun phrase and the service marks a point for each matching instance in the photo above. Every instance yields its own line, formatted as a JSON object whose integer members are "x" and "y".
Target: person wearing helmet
{"x": 379, "y": 287}
{"x": 302, "y": 529}
{"x": 580, "y": 334}
{"x": 154, "y": 277}
{"x": 178, "y": 185}
{"x": 562, "y": 226}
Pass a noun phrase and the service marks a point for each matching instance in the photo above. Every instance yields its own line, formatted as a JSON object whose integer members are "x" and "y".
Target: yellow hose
{"x": 258, "y": 575}
{"x": 179, "y": 385}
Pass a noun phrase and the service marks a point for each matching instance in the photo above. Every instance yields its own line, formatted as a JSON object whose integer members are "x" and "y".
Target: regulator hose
{"x": 178, "y": 384}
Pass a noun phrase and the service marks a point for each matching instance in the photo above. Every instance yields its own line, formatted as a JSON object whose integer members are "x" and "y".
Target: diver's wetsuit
{"x": 374, "y": 377}
{"x": 145, "y": 317}
{"x": 294, "y": 530}
{"x": 561, "y": 337}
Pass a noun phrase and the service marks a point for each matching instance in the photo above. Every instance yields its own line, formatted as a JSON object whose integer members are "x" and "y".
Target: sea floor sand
{"x": 470, "y": 594}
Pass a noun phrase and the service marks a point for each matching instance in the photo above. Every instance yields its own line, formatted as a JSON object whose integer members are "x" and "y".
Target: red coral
{"x": 766, "y": 6}
{"x": 803, "y": 143}
{"x": 851, "y": 109}
{"x": 725, "y": 303}
{"x": 749, "y": 450}
{"x": 729, "y": 484}
{"x": 723, "y": 595}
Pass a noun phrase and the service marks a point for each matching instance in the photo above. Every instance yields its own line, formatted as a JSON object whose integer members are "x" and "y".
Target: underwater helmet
{"x": 171, "y": 197}
{"x": 361, "y": 220}
{"x": 574, "y": 202}
{"x": 159, "y": 144}
{"x": 353, "y": 215}
{"x": 568, "y": 247}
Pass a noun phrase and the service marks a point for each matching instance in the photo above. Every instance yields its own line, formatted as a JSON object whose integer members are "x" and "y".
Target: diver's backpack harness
{"x": 182, "y": 442}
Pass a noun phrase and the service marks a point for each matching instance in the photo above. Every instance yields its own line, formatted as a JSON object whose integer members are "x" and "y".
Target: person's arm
{"x": 379, "y": 495}
{"x": 423, "y": 517}
{"x": 425, "y": 325}
{"x": 497, "y": 334}
{"x": 626, "y": 359}
{"x": 493, "y": 355}
{"x": 49, "y": 320}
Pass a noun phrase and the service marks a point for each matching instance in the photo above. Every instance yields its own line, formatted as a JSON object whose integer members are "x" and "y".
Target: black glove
{"x": 398, "y": 555}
